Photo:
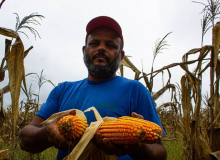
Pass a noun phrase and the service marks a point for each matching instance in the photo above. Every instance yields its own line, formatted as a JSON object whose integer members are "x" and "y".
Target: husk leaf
{"x": 56, "y": 115}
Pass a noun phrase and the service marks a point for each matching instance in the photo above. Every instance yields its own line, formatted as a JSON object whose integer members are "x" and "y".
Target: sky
{"x": 59, "y": 50}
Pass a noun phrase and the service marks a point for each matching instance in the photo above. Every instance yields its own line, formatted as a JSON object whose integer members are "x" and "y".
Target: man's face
{"x": 102, "y": 54}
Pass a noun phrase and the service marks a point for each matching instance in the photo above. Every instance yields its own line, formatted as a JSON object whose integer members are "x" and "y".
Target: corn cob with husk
{"x": 72, "y": 127}
{"x": 125, "y": 130}
{"x": 153, "y": 131}
{"x": 122, "y": 132}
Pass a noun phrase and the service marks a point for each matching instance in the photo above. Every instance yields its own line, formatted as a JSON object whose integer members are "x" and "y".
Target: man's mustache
{"x": 101, "y": 54}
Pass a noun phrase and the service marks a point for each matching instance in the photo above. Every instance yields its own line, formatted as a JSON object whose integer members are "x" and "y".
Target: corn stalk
{"x": 15, "y": 65}
{"x": 214, "y": 91}
{"x": 14, "y": 56}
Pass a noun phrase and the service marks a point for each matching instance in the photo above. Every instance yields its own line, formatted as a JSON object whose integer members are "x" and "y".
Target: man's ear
{"x": 122, "y": 54}
{"x": 83, "y": 49}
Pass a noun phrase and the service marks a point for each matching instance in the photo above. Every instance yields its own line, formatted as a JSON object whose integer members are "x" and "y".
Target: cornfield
{"x": 192, "y": 131}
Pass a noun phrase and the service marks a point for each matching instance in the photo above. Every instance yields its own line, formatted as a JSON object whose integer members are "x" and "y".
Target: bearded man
{"x": 111, "y": 95}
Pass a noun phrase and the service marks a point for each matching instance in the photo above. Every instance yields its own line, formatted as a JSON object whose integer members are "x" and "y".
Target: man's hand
{"x": 135, "y": 115}
{"x": 35, "y": 138}
{"x": 56, "y": 139}
{"x": 139, "y": 151}
{"x": 110, "y": 148}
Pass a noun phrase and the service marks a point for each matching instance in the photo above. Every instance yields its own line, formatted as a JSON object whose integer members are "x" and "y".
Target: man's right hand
{"x": 36, "y": 138}
{"x": 56, "y": 139}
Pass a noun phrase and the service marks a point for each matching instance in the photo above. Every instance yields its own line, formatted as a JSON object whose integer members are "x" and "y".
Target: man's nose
{"x": 102, "y": 47}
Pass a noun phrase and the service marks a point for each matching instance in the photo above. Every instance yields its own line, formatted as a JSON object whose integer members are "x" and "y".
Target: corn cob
{"x": 153, "y": 131}
{"x": 122, "y": 132}
{"x": 72, "y": 127}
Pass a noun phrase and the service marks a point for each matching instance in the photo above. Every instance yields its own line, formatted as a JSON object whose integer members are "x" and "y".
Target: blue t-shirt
{"x": 114, "y": 97}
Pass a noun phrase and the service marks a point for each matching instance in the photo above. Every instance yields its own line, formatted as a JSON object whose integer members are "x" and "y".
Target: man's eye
{"x": 112, "y": 46}
{"x": 93, "y": 43}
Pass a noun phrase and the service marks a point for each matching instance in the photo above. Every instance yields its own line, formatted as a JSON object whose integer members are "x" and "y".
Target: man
{"x": 112, "y": 95}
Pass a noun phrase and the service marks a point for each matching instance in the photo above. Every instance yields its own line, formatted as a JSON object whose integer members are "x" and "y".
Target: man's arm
{"x": 155, "y": 151}
{"x": 33, "y": 137}
{"x": 36, "y": 138}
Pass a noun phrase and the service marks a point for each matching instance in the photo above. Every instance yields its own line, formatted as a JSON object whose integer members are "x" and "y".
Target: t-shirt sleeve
{"x": 146, "y": 107}
{"x": 52, "y": 104}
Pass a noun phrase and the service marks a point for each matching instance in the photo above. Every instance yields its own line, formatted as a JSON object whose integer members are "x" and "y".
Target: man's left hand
{"x": 113, "y": 149}
{"x": 110, "y": 148}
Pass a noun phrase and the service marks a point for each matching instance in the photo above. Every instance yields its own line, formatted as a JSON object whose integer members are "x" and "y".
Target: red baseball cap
{"x": 104, "y": 21}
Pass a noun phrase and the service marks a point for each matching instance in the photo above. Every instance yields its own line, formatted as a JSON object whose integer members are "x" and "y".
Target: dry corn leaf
{"x": 6, "y": 89}
{"x": 126, "y": 62}
{"x": 4, "y": 154}
{"x": 186, "y": 103}
{"x": 203, "y": 53}
{"x": 172, "y": 65}
{"x": 202, "y": 148}
{"x": 180, "y": 127}
{"x": 204, "y": 69}
{"x": 15, "y": 64}
{"x": 2, "y": 75}
{"x": 216, "y": 42}
{"x": 121, "y": 70}
{"x": 216, "y": 154}
{"x": 7, "y": 51}
{"x": 164, "y": 105}
{"x": 8, "y": 32}
{"x": 161, "y": 91}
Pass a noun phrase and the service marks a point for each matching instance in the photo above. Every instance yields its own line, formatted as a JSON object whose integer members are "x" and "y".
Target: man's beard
{"x": 102, "y": 71}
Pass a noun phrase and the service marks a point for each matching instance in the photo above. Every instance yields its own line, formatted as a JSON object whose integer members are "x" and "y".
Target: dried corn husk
{"x": 54, "y": 116}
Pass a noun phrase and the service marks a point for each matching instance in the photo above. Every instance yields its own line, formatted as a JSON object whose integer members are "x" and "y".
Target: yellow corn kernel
{"x": 153, "y": 131}
{"x": 72, "y": 127}
{"x": 122, "y": 132}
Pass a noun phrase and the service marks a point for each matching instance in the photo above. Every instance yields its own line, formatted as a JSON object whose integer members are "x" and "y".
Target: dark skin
{"x": 105, "y": 40}
{"x": 36, "y": 138}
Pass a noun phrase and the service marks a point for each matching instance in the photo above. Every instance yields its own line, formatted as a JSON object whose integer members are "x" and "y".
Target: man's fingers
{"x": 98, "y": 137}
{"x": 97, "y": 140}
{"x": 106, "y": 143}
{"x": 65, "y": 146}
{"x": 133, "y": 114}
{"x": 73, "y": 112}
